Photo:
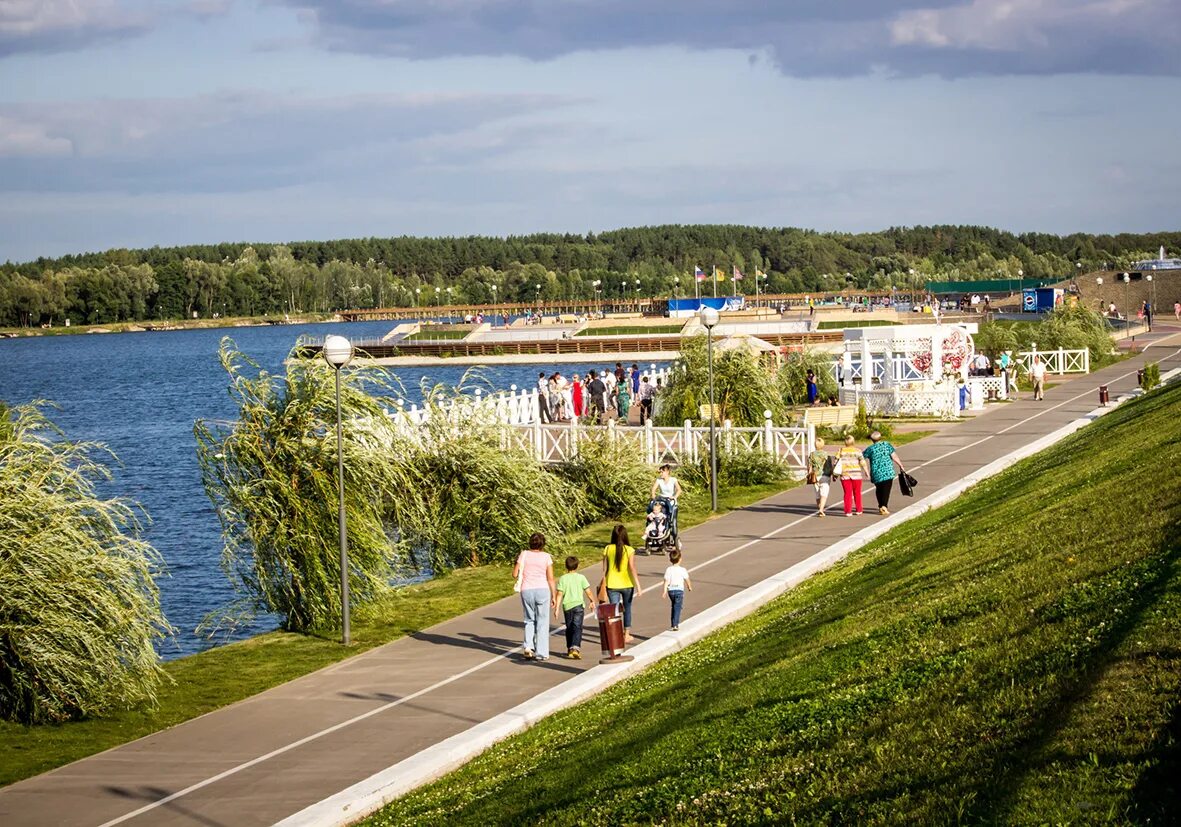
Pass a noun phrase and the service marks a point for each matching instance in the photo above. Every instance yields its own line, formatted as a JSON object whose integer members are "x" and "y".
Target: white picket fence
{"x": 894, "y": 400}
{"x": 1056, "y": 361}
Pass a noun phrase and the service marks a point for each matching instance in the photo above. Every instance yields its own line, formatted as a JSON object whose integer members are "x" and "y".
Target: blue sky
{"x": 133, "y": 123}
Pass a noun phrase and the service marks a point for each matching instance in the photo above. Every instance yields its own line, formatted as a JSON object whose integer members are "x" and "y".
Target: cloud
{"x": 807, "y": 38}
{"x": 236, "y": 142}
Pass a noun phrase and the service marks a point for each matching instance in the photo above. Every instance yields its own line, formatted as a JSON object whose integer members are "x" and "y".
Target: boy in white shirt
{"x": 676, "y": 582}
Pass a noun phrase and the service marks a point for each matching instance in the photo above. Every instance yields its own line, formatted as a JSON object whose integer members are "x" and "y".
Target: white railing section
{"x": 941, "y": 401}
{"x": 1056, "y": 361}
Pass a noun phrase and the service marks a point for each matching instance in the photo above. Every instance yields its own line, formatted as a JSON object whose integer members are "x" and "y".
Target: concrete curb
{"x": 370, "y": 795}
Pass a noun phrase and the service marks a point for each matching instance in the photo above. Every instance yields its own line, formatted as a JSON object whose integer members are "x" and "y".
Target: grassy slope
{"x": 221, "y": 676}
{"x": 1010, "y": 658}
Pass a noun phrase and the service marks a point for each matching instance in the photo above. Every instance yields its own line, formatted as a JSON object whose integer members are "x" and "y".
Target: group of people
{"x": 569, "y": 595}
{"x": 599, "y": 396}
{"x": 879, "y": 462}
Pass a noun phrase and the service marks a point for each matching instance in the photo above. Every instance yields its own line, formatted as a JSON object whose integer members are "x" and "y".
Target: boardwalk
{"x": 272, "y": 755}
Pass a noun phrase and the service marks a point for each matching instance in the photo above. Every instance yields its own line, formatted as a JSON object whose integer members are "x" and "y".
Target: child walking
{"x": 676, "y": 581}
{"x": 571, "y": 588}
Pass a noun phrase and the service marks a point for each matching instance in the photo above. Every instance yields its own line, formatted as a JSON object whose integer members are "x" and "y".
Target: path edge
{"x": 371, "y": 794}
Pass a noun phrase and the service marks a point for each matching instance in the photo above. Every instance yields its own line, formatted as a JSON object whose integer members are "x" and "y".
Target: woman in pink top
{"x": 535, "y": 569}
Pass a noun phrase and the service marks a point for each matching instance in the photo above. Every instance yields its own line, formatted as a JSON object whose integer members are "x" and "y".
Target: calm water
{"x": 139, "y": 393}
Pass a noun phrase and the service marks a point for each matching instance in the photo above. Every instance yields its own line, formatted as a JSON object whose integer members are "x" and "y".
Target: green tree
{"x": 743, "y": 387}
{"x": 79, "y": 609}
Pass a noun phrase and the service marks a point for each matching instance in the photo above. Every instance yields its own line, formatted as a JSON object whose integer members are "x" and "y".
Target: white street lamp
{"x": 1127, "y": 303}
{"x": 1151, "y": 307}
{"x": 709, "y": 319}
{"x": 338, "y": 352}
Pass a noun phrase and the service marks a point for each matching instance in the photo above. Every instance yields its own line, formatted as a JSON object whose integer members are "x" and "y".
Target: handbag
{"x": 811, "y": 480}
{"x": 906, "y": 484}
{"x": 520, "y": 574}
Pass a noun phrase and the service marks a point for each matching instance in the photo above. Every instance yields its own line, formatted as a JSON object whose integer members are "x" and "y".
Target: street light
{"x": 709, "y": 318}
{"x": 1127, "y": 303}
{"x": 338, "y": 352}
{"x": 417, "y": 293}
{"x": 598, "y": 285}
{"x": 1151, "y": 307}
{"x": 450, "y": 304}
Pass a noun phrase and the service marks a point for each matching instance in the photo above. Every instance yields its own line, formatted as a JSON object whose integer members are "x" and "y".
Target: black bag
{"x": 906, "y": 484}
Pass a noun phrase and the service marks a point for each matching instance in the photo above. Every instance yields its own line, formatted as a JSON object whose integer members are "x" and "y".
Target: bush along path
{"x": 1009, "y": 658}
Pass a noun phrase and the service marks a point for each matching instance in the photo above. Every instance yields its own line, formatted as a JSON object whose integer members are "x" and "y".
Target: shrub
{"x": 743, "y": 387}
{"x": 735, "y": 467}
{"x": 610, "y": 473}
{"x": 79, "y": 609}
{"x": 1150, "y": 376}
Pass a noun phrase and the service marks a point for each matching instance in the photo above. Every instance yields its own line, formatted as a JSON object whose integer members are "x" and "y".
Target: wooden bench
{"x": 708, "y": 412}
{"x": 834, "y": 415}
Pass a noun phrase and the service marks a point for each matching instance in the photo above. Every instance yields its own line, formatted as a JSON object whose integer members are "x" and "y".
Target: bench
{"x": 708, "y": 412}
{"x": 832, "y": 415}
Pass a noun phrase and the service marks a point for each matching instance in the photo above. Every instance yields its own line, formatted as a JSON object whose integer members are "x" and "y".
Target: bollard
{"x": 610, "y": 617}
{"x": 1103, "y": 395}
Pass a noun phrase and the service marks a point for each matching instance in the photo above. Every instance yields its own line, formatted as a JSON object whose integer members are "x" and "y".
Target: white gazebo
{"x": 906, "y": 369}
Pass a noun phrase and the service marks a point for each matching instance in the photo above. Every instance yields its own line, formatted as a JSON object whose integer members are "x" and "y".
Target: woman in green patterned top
{"x": 820, "y": 471}
{"x": 882, "y": 461}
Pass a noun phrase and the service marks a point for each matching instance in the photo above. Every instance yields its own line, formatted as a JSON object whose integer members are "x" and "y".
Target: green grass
{"x": 841, "y": 325}
{"x": 429, "y": 335}
{"x": 204, "y": 682}
{"x": 1012, "y": 657}
{"x": 665, "y": 330}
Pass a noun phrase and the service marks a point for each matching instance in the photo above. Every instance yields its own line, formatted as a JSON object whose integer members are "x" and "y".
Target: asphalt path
{"x": 269, "y": 756}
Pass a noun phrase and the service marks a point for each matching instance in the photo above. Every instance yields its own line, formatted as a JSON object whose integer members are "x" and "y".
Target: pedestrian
{"x": 1177, "y": 311}
{"x": 620, "y": 373}
{"x": 543, "y": 410}
{"x": 676, "y": 582}
{"x": 850, "y": 467}
{"x": 1005, "y": 360}
{"x": 623, "y": 400}
{"x": 635, "y": 377}
{"x": 620, "y": 579}
{"x": 1013, "y": 388}
{"x": 535, "y": 577}
{"x": 572, "y": 588}
{"x": 882, "y": 460}
{"x": 1037, "y": 372}
{"x": 1148, "y": 311}
{"x": 820, "y": 475}
{"x": 813, "y": 388}
{"x": 646, "y": 394}
{"x": 576, "y": 390}
{"x": 595, "y": 390}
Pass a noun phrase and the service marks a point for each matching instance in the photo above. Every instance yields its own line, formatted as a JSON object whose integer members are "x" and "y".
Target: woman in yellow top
{"x": 619, "y": 576}
{"x": 851, "y": 466}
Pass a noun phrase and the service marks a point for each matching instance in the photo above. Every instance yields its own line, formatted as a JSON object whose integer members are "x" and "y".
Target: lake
{"x": 140, "y": 393}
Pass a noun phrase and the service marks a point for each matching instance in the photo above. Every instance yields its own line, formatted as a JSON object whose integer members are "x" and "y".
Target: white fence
{"x": 688, "y": 443}
{"x": 895, "y": 400}
{"x": 1057, "y": 361}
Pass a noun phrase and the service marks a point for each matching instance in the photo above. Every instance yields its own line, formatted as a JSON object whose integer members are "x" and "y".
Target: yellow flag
{"x": 719, "y": 275}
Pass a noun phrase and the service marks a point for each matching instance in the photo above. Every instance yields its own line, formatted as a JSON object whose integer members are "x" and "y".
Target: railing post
{"x": 768, "y": 434}
{"x": 649, "y": 442}
{"x": 727, "y": 435}
{"x": 538, "y": 448}
{"x": 1086, "y": 360}
{"x": 573, "y": 439}
{"x": 689, "y": 442}
{"x": 1061, "y": 360}
{"x": 811, "y": 443}
{"x": 611, "y": 430}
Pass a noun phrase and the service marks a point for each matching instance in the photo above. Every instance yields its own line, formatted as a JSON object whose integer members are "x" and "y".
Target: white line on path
{"x": 489, "y": 662}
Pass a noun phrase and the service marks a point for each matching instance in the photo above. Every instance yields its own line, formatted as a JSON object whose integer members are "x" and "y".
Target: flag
{"x": 698, "y": 273}
{"x": 719, "y": 275}
{"x": 737, "y": 274}
{"x": 759, "y": 274}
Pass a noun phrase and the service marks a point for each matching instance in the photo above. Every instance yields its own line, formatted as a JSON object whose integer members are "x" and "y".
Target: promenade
{"x": 265, "y": 758}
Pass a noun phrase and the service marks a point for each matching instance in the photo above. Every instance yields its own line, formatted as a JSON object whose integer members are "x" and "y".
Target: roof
{"x": 987, "y": 285}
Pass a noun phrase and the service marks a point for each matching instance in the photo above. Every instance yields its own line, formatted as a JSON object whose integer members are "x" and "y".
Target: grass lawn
{"x": 665, "y": 330}
{"x": 221, "y": 676}
{"x": 1012, "y": 657}
{"x": 428, "y": 335}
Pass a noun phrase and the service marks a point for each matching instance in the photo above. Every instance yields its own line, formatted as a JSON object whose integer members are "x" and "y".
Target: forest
{"x": 239, "y": 279}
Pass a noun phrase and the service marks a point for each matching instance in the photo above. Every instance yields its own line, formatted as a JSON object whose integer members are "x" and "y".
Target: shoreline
{"x": 167, "y": 325}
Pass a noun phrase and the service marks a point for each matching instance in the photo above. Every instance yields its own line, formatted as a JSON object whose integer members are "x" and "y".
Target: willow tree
{"x": 79, "y": 609}
{"x": 271, "y": 475}
{"x": 743, "y": 386}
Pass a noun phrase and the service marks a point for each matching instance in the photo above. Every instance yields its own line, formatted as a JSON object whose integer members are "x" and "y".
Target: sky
{"x": 128, "y": 123}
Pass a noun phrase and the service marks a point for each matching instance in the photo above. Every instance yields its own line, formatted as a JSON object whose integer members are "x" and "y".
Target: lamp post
{"x": 676, "y": 287}
{"x": 598, "y": 285}
{"x": 709, "y": 318}
{"x": 338, "y": 352}
{"x": 417, "y": 293}
{"x": 1151, "y": 307}
{"x": 910, "y": 282}
{"x": 450, "y": 304}
{"x": 537, "y": 294}
{"x": 1127, "y": 303}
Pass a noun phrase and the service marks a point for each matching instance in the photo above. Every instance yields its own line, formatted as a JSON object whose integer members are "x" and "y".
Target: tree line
{"x": 164, "y": 283}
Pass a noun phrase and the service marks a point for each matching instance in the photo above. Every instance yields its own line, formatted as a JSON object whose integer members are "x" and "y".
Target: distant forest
{"x": 321, "y": 276}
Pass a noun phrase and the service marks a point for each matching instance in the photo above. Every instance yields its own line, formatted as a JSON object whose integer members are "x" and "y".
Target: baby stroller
{"x": 660, "y": 537}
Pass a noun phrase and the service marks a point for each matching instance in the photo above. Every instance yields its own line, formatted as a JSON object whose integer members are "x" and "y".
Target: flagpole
{"x": 714, "y": 274}
{"x": 696, "y": 286}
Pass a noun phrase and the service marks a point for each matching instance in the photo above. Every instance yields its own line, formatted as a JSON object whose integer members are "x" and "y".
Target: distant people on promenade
{"x": 646, "y": 394}
{"x": 1177, "y": 311}
{"x": 623, "y": 399}
{"x": 572, "y": 588}
{"x": 676, "y": 583}
{"x": 635, "y": 380}
{"x": 543, "y": 409}
{"x": 851, "y": 468}
{"x": 596, "y": 389}
{"x": 620, "y": 579}
{"x": 534, "y": 572}
{"x": 1037, "y": 374}
{"x": 820, "y": 466}
{"x": 576, "y": 396}
{"x": 883, "y": 460}
{"x": 813, "y": 388}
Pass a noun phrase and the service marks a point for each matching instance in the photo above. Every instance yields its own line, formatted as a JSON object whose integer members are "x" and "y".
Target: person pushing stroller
{"x": 666, "y": 490}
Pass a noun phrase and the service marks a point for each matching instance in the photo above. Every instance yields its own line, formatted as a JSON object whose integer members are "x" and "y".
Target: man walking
{"x": 596, "y": 389}
{"x": 646, "y": 393}
{"x": 1037, "y": 373}
{"x": 543, "y": 410}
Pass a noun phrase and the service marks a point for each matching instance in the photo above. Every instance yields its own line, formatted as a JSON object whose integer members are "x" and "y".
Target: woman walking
{"x": 850, "y": 465}
{"x": 882, "y": 461}
{"x": 576, "y": 397}
{"x": 535, "y": 574}
{"x": 620, "y": 577}
{"x": 820, "y": 475}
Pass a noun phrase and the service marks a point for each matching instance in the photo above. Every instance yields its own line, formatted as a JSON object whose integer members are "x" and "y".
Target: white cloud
{"x": 20, "y": 139}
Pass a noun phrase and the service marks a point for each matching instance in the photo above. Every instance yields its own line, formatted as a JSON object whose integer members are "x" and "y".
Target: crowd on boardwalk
{"x": 569, "y": 595}
{"x": 611, "y": 394}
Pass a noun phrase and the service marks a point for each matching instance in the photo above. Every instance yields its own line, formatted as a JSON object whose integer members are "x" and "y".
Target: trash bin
{"x": 1103, "y": 394}
{"x": 610, "y": 617}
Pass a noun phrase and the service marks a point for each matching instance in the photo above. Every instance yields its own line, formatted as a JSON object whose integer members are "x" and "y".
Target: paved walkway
{"x": 270, "y": 756}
